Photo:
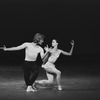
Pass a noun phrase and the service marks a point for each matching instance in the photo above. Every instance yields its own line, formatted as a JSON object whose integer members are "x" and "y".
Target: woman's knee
{"x": 59, "y": 72}
{"x": 50, "y": 81}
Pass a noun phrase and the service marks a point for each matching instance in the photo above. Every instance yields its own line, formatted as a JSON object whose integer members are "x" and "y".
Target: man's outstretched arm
{"x": 15, "y": 48}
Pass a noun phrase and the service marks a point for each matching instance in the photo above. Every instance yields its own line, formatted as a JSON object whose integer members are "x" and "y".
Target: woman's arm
{"x": 15, "y": 48}
{"x": 69, "y": 53}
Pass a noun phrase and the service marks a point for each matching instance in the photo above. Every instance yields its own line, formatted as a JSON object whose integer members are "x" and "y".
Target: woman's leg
{"x": 50, "y": 68}
{"x": 58, "y": 75}
{"x": 49, "y": 79}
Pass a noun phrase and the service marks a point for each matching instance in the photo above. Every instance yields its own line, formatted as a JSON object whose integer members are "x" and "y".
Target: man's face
{"x": 41, "y": 41}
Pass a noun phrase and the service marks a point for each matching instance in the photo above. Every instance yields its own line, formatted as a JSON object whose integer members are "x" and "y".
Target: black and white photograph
{"x": 49, "y": 50}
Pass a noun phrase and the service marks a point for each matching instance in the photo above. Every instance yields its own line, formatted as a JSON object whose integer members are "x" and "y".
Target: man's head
{"x": 38, "y": 38}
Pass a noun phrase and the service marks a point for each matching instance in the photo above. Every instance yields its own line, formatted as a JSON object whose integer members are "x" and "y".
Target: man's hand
{"x": 4, "y": 48}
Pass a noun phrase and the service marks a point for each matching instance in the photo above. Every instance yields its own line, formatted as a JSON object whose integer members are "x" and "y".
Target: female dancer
{"x": 49, "y": 66}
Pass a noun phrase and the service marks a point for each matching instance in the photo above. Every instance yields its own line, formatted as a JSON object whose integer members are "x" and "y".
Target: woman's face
{"x": 54, "y": 43}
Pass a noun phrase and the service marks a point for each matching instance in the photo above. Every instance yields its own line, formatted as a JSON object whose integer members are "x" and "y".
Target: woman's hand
{"x": 72, "y": 42}
{"x": 46, "y": 48}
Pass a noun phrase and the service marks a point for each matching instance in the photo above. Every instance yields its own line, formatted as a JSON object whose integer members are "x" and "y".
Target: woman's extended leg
{"x": 49, "y": 79}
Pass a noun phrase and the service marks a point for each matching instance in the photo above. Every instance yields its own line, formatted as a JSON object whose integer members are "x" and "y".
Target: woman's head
{"x": 38, "y": 38}
{"x": 54, "y": 42}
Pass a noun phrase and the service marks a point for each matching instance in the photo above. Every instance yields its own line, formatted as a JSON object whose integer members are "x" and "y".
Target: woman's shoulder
{"x": 59, "y": 50}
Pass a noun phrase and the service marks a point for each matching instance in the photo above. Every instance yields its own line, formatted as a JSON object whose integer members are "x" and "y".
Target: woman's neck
{"x": 55, "y": 48}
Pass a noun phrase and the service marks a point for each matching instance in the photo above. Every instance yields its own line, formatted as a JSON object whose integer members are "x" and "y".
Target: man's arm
{"x": 15, "y": 48}
{"x": 42, "y": 53}
{"x": 68, "y": 53}
{"x": 47, "y": 49}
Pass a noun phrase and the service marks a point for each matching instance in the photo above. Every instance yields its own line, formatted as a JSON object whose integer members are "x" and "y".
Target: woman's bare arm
{"x": 69, "y": 53}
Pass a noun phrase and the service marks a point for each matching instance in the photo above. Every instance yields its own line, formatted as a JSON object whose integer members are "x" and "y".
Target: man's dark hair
{"x": 38, "y": 37}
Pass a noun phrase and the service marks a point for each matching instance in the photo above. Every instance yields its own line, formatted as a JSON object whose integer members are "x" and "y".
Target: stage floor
{"x": 78, "y": 84}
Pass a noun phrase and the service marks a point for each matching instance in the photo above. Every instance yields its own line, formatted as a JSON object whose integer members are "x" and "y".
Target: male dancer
{"x": 32, "y": 49}
{"x": 49, "y": 66}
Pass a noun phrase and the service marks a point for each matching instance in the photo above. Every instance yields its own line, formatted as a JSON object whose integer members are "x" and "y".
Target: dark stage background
{"x": 66, "y": 20}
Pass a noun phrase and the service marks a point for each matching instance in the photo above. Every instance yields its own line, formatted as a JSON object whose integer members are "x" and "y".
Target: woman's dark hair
{"x": 57, "y": 40}
{"x": 38, "y": 37}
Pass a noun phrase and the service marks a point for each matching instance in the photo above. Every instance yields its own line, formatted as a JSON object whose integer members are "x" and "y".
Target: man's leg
{"x": 27, "y": 73}
{"x": 35, "y": 70}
